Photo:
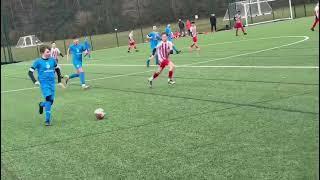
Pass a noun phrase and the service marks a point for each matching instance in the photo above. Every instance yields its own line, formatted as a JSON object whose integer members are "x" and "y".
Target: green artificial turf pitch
{"x": 219, "y": 121}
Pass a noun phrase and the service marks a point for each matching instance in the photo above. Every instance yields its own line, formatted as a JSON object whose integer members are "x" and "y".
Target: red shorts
{"x": 164, "y": 63}
{"x": 195, "y": 39}
{"x": 238, "y": 25}
{"x": 132, "y": 43}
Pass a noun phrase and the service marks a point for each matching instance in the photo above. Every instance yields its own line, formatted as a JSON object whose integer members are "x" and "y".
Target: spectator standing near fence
{"x": 213, "y": 22}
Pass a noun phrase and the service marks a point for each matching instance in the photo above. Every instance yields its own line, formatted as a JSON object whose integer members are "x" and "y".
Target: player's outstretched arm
{"x": 33, "y": 79}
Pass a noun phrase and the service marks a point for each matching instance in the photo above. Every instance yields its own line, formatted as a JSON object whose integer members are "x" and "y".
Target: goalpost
{"x": 260, "y": 11}
{"x": 28, "y": 41}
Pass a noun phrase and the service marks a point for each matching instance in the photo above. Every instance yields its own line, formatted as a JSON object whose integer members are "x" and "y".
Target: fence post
{"x": 294, "y": 9}
{"x": 229, "y": 14}
{"x": 4, "y": 53}
{"x": 3, "y": 46}
{"x": 64, "y": 44}
{"x": 304, "y": 7}
{"x": 117, "y": 36}
{"x": 91, "y": 41}
{"x": 138, "y": 4}
{"x": 272, "y": 11}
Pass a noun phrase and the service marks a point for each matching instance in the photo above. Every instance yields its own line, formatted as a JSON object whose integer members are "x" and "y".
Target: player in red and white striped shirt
{"x": 316, "y": 19}
{"x": 238, "y": 23}
{"x": 163, "y": 49}
{"x": 54, "y": 52}
{"x": 132, "y": 43}
{"x": 194, "y": 34}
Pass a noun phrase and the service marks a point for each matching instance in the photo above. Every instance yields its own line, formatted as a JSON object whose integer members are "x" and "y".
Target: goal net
{"x": 28, "y": 41}
{"x": 260, "y": 11}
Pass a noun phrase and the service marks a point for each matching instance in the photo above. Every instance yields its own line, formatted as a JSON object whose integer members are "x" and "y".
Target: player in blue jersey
{"x": 170, "y": 38}
{"x": 46, "y": 67}
{"x": 76, "y": 49}
{"x": 87, "y": 47}
{"x": 154, "y": 38}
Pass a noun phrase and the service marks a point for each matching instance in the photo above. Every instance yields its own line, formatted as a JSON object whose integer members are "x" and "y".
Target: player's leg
{"x": 74, "y": 75}
{"x": 135, "y": 47}
{"x": 148, "y": 61}
{"x": 196, "y": 45}
{"x": 176, "y": 50}
{"x": 191, "y": 47}
{"x": 195, "y": 40}
{"x": 314, "y": 23}
{"x": 82, "y": 78}
{"x": 129, "y": 47}
{"x": 156, "y": 57}
{"x": 171, "y": 71}
{"x": 48, "y": 91}
{"x": 237, "y": 31}
{"x": 149, "y": 58}
{"x": 157, "y": 73}
{"x": 242, "y": 29}
{"x": 211, "y": 27}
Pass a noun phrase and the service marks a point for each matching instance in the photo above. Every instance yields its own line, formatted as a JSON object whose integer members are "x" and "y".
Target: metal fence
{"x": 111, "y": 29}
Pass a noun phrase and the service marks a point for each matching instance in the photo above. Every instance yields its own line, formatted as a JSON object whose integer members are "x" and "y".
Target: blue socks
{"x": 73, "y": 76}
{"x": 82, "y": 81}
{"x": 148, "y": 62}
{"x": 81, "y": 75}
{"x": 48, "y": 111}
{"x": 47, "y": 105}
{"x": 175, "y": 49}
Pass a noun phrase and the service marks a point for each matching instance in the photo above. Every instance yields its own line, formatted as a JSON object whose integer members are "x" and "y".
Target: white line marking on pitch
{"x": 189, "y": 65}
{"x": 109, "y": 77}
{"x": 228, "y": 42}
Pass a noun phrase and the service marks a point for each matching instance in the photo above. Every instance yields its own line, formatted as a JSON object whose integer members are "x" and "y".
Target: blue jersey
{"x": 154, "y": 39}
{"x": 86, "y": 45}
{"x": 169, "y": 33}
{"x": 76, "y": 51}
{"x": 46, "y": 69}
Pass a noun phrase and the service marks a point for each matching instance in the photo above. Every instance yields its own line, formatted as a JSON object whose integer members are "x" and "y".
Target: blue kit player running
{"x": 154, "y": 38}
{"x": 76, "y": 49}
{"x": 170, "y": 38}
{"x": 87, "y": 47}
{"x": 46, "y": 67}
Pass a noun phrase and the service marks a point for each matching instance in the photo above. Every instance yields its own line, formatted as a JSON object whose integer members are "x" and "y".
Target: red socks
{"x": 155, "y": 75}
{"x": 170, "y": 74}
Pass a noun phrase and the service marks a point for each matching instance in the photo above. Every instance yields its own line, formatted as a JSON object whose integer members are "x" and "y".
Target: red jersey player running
{"x": 238, "y": 23}
{"x": 194, "y": 35}
{"x": 132, "y": 43}
{"x": 164, "y": 49}
{"x": 316, "y": 20}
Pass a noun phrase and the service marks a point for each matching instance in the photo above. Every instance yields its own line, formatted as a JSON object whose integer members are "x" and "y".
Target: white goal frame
{"x": 246, "y": 16}
{"x": 28, "y": 41}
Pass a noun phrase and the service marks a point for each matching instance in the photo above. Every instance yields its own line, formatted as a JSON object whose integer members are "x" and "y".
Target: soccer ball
{"x": 99, "y": 113}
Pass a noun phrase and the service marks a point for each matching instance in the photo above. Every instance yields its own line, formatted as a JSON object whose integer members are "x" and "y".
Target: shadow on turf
{"x": 219, "y": 79}
{"x": 219, "y": 101}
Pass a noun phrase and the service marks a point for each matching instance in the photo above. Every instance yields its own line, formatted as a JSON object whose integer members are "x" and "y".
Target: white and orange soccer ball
{"x": 99, "y": 113}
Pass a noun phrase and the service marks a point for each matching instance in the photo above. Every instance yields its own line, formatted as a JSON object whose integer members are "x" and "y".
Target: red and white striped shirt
{"x": 193, "y": 30}
{"x": 163, "y": 50}
{"x": 237, "y": 17}
{"x": 316, "y": 10}
{"x": 54, "y": 53}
